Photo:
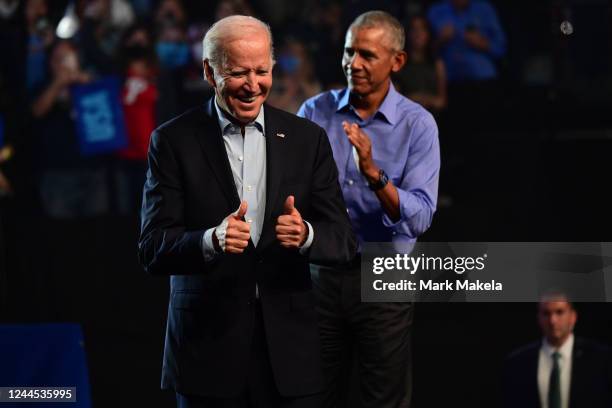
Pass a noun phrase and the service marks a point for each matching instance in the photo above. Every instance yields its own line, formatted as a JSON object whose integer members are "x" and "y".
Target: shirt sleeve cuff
{"x": 408, "y": 206}
{"x": 208, "y": 248}
{"x": 304, "y": 248}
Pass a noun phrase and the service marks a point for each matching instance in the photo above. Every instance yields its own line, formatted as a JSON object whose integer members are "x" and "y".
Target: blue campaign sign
{"x": 99, "y": 116}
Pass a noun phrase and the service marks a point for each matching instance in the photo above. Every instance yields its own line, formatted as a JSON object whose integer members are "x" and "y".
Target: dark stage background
{"x": 528, "y": 161}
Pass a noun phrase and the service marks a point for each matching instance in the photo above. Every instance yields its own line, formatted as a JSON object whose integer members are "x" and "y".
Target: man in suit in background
{"x": 560, "y": 371}
{"x": 239, "y": 198}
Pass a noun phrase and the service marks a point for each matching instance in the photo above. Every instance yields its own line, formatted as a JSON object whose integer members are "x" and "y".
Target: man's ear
{"x": 399, "y": 59}
{"x": 209, "y": 73}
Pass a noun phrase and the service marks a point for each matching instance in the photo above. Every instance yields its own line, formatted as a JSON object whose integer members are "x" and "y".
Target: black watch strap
{"x": 382, "y": 181}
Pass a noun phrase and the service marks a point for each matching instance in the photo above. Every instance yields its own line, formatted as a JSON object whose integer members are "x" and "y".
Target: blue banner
{"x": 44, "y": 356}
{"x": 99, "y": 116}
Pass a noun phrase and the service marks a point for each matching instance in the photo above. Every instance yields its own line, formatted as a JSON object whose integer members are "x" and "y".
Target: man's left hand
{"x": 291, "y": 231}
{"x": 363, "y": 145}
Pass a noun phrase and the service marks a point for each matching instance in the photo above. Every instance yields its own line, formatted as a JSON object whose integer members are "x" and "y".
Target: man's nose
{"x": 355, "y": 62}
{"x": 251, "y": 82}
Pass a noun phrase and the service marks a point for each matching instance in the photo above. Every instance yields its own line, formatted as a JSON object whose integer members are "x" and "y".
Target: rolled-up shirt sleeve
{"x": 418, "y": 189}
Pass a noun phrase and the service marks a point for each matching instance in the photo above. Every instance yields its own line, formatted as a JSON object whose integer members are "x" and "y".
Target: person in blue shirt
{"x": 387, "y": 152}
{"x": 469, "y": 37}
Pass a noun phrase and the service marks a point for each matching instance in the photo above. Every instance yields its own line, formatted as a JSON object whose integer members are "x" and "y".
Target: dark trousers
{"x": 261, "y": 389}
{"x": 373, "y": 338}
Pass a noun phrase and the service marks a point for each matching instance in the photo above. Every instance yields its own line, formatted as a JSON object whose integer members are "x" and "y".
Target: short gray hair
{"x": 225, "y": 30}
{"x": 382, "y": 19}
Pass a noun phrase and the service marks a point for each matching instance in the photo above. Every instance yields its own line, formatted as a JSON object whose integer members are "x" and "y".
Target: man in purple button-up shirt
{"x": 387, "y": 153}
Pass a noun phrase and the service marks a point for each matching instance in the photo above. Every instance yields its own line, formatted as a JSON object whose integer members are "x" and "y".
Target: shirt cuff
{"x": 304, "y": 248}
{"x": 208, "y": 248}
{"x": 408, "y": 206}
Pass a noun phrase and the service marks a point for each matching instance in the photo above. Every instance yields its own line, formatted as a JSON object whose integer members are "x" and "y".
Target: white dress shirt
{"x": 545, "y": 365}
{"x": 247, "y": 158}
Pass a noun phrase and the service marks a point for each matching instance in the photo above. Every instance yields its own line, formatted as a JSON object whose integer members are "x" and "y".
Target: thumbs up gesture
{"x": 291, "y": 231}
{"x": 232, "y": 235}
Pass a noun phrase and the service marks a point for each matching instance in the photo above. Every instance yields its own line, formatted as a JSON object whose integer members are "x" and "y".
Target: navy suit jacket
{"x": 189, "y": 189}
{"x": 591, "y": 379}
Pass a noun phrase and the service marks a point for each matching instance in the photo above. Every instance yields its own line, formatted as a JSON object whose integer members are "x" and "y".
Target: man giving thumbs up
{"x": 219, "y": 217}
{"x": 232, "y": 235}
{"x": 291, "y": 230}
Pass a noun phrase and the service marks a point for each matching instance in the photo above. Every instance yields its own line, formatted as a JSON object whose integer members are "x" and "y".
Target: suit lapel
{"x": 211, "y": 142}
{"x": 578, "y": 375}
{"x": 275, "y": 147}
{"x": 532, "y": 372}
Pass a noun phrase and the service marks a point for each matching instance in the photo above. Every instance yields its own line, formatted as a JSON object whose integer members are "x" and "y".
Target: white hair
{"x": 228, "y": 29}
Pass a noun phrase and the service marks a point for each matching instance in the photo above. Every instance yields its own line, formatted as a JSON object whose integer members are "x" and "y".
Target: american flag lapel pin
{"x": 281, "y": 135}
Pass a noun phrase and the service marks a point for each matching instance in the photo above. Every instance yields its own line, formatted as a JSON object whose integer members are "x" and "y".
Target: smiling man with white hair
{"x": 239, "y": 198}
{"x": 236, "y": 52}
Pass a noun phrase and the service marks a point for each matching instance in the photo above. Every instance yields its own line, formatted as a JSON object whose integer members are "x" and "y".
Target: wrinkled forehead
{"x": 245, "y": 32}
{"x": 254, "y": 51}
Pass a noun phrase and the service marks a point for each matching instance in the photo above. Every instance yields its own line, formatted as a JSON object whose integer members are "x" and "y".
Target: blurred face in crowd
{"x": 295, "y": 61}
{"x": 35, "y": 9}
{"x": 64, "y": 58}
{"x": 369, "y": 60}
{"x": 96, "y": 9}
{"x": 557, "y": 319}
{"x": 419, "y": 34}
{"x": 139, "y": 37}
{"x": 171, "y": 12}
{"x": 245, "y": 79}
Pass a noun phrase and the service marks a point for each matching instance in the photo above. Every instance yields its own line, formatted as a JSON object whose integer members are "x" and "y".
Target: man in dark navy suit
{"x": 560, "y": 371}
{"x": 239, "y": 198}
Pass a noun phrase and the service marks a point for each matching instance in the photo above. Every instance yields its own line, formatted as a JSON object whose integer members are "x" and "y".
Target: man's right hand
{"x": 237, "y": 233}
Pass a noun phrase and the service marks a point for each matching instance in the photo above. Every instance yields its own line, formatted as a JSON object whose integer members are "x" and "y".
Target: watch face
{"x": 384, "y": 179}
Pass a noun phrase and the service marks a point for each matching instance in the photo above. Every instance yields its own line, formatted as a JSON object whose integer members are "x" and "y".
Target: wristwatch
{"x": 382, "y": 181}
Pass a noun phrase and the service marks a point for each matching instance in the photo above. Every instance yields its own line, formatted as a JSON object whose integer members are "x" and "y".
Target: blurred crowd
{"x": 153, "y": 47}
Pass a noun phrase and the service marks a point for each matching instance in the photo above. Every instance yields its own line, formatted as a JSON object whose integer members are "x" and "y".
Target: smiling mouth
{"x": 249, "y": 99}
